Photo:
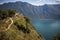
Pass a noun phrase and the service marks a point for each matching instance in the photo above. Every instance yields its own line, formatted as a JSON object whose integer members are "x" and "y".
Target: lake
{"x": 48, "y": 27}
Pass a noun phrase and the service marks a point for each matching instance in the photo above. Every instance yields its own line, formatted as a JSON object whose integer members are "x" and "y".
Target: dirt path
{"x": 9, "y": 24}
{"x": 8, "y": 27}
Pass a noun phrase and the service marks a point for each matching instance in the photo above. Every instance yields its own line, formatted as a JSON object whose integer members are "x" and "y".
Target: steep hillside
{"x": 41, "y": 12}
{"x": 17, "y": 27}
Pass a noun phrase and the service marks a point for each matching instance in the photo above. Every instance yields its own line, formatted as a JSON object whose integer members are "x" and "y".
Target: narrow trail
{"x": 9, "y": 25}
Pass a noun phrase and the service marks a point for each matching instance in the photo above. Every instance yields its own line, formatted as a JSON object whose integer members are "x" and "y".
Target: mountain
{"x": 46, "y": 11}
{"x": 16, "y": 26}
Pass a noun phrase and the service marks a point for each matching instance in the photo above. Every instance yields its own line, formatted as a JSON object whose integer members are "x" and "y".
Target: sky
{"x": 34, "y": 2}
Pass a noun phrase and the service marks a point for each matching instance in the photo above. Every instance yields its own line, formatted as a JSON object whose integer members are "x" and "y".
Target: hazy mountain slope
{"x": 18, "y": 27}
{"x": 40, "y": 12}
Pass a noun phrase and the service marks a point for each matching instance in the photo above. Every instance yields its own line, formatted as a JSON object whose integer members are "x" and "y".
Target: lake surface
{"x": 48, "y": 28}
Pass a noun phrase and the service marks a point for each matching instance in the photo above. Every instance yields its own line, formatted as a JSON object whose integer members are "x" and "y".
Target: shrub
{"x": 21, "y": 27}
{"x": 27, "y": 19}
{"x": 3, "y": 14}
{"x": 6, "y": 13}
{"x": 11, "y": 13}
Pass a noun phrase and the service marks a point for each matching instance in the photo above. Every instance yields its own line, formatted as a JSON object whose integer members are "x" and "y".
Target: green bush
{"x": 3, "y": 14}
{"x": 11, "y": 13}
{"x": 21, "y": 27}
{"x": 6, "y": 13}
{"x": 27, "y": 19}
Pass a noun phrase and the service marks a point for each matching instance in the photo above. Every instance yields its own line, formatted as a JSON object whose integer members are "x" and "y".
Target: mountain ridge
{"x": 40, "y": 12}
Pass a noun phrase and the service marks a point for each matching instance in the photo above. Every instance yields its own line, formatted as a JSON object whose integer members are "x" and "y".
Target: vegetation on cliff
{"x": 15, "y": 26}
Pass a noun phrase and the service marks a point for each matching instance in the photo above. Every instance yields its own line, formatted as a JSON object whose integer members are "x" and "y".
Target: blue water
{"x": 48, "y": 28}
